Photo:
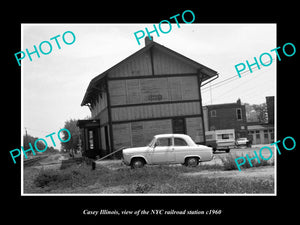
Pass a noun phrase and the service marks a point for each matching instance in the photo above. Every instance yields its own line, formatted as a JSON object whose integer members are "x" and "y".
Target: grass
{"x": 151, "y": 179}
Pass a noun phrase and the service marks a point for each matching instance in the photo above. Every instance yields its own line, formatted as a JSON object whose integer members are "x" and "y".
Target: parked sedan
{"x": 242, "y": 142}
{"x": 168, "y": 149}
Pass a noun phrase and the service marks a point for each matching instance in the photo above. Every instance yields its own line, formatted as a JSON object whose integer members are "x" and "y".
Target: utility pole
{"x": 26, "y": 138}
{"x": 210, "y": 94}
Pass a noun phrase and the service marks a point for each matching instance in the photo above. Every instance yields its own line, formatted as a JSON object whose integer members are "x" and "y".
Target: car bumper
{"x": 125, "y": 160}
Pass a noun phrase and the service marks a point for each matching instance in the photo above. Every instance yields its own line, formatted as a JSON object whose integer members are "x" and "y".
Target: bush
{"x": 60, "y": 178}
{"x": 50, "y": 177}
{"x": 230, "y": 164}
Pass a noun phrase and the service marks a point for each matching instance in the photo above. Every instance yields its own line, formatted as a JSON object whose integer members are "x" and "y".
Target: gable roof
{"x": 209, "y": 73}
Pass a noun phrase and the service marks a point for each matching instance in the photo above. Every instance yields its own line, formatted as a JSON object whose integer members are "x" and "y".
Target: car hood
{"x": 135, "y": 150}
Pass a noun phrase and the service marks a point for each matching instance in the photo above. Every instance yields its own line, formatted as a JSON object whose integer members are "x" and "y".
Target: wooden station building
{"x": 153, "y": 91}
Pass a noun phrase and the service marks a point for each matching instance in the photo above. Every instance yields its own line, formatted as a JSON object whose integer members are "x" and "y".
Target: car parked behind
{"x": 242, "y": 142}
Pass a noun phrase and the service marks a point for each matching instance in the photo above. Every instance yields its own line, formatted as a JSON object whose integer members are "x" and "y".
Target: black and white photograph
{"x": 163, "y": 114}
{"x": 184, "y": 113}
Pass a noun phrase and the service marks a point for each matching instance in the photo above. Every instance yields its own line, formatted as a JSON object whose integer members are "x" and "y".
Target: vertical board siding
{"x": 138, "y": 134}
{"x": 167, "y": 64}
{"x": 138, "y": 66}
{"x": 122, "y": 135}
{"x": 102, "y": 116}
{"x": 103, "y": 145}
{"x": 195, "y": 128}
{"x": 150, "y": 90}
{"x": 174, "y": 86}
{"x": 117, "y": 91}
{"x": 155, "y": 111}
{"x": 101, "y": 104}
{"x": 133, "y": 92}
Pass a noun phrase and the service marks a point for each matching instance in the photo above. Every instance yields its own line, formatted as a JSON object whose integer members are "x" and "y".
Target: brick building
{"x": 226, "y": 116}
{"x": 270, "y": 109}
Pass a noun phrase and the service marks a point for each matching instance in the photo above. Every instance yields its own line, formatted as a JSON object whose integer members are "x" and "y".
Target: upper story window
{"x": 239, "y": 114}
{"x": 213, "y": 113}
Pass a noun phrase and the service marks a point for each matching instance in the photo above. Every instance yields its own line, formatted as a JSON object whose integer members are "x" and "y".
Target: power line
{"x": 230, "y": 80}
{"x": 220, "y": 83}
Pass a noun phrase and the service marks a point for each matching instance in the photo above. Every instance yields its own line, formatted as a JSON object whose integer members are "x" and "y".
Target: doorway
{"x": 179, "y": 126}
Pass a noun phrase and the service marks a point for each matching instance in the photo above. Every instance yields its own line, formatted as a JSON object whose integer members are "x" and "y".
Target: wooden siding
{"x": 102, "y": 116}
{"x": 155, "y": 111}
{"x": 149, "y": 90}
{"x": 103, "y": 144}
{"x": 165, "y": 64}
{"x": 138, "y": 66}
{"x": 138, "y": 134}
{"x": 195, "y": 128}
{"x": 100, "y": 105}
{"x": 122, "y": 135}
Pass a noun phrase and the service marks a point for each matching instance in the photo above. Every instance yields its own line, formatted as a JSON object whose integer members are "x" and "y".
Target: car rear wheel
{"x": 137, "y": 163}
{"x": 192, "y": 162}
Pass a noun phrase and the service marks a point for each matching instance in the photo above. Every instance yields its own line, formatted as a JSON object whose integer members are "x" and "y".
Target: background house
{"x": 226, "y": 116}
{"x": 263, "y": 133}
{"x": 155, "y": 90}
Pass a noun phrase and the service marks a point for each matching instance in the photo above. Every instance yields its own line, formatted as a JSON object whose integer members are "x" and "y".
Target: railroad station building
{"x": 153, "y": 91}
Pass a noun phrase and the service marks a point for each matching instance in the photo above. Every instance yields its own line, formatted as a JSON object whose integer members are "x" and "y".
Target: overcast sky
{"x": 54, "y": 84}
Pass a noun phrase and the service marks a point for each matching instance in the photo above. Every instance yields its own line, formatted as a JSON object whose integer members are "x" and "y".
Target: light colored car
{"x": 242, "y": 142}
{"x": 168, "y": 149}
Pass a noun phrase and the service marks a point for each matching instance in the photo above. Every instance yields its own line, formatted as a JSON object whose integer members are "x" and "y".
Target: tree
{"x": 40, "y": 145}
{"x": 72, "y": 145}
{"x": 30, "y": 139}
{"x": 256, "y": 113}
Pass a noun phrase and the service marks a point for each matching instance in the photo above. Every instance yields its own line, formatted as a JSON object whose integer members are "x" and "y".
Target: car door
{"x": 163, "y": 151}
{"x": 181, "y": 149}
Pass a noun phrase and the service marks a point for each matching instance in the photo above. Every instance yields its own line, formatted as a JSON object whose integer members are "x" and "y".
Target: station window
{"x": 91, "y": 139}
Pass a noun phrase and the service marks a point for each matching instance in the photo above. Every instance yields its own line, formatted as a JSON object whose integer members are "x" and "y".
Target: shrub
{"x": 48, "y": 177}
{"x": 230, "y": 164}
{"x": 70, "y": 176}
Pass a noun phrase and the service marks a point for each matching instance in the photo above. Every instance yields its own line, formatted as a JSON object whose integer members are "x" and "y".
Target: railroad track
{"x": 30, "y": 162}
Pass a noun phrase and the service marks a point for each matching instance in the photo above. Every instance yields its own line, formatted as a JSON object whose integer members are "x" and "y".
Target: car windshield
{"x": 151, "y": 142}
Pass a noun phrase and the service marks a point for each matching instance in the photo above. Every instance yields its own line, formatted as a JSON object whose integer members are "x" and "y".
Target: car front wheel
{"x": 137, "y": 163}
{"x": 192, "y": 162}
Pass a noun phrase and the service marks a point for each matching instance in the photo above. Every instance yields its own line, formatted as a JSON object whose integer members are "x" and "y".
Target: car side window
{"x": 180, "y": 142}
{"x": 164, "y": 142}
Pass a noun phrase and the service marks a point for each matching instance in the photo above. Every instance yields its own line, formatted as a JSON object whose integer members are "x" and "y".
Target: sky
{"x": 53, "y": 85}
